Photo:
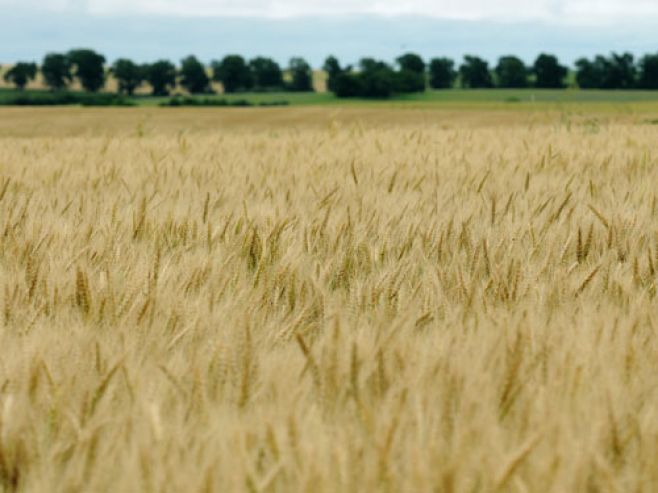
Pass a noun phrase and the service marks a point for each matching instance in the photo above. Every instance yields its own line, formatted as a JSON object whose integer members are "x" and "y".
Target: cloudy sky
{"x": 313, "y": 28}
{"x": 581, "y": 11}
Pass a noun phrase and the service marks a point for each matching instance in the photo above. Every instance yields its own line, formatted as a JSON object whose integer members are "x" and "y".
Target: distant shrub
{"x": 190, "y": 101}
{"x": 64, "y": 99}
{"x": 375, "y": 79}
{"x": 347, "y": 85}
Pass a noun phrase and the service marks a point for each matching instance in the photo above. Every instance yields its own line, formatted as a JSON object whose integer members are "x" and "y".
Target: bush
{"x": 408, "y": 81}
{"x": 217, "y": 102}
{"x": 347, "y": 85}
{"x": 377, "y": 79}
{"x": 65, "y": 99}
{"x": 378, "y": 84}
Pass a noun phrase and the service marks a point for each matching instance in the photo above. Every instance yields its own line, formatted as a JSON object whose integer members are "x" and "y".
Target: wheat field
{"x": 356, "y": 302}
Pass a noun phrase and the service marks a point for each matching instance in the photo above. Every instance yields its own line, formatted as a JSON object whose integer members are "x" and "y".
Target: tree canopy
{"x": 334, "y": 70}
{"x": 267, "y": 74}
{"x": 474, "y": 73}
{"x": 88, "y": 67}
{"x": 21, "y": 73}
{"x": 411, "y": 75}
{"x": 233, "y": 72}
{"x": 511, "y": 72}
{"x": 442, "y": 73}
{"x": 301, "y": 75}
{"x": 162, "y": 77}
{"x": 193, "y": 76}
{"x": 56, "y": 70}
{"x": 411, "y": 62}
{"x": 548, "y": 72}
{"x": 617, "y": 71}
{"x": 128, "y": 74}
{"x": 648, "y": 72}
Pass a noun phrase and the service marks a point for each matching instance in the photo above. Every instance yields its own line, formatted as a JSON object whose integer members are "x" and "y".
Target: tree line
{"x": 371, "y": 78}
{"x": 88, "y": 67}
{"x": 376, "y": 78}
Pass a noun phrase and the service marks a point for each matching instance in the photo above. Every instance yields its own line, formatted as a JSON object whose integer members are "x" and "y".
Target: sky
{"x": 144, "y": 29}
{"x": 566, "y": 11}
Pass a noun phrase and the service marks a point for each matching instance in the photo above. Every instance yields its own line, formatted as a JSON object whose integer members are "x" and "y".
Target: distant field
{"x": 71, "y": 121}
{"x": 525, "y": 98}
{"x": 510, "y": 96}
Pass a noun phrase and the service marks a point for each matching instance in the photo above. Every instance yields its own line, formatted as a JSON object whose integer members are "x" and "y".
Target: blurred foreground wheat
{"x": 343, "y": 309}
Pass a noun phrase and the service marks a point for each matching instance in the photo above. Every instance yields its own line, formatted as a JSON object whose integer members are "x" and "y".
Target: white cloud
{"x": 565, "y": 11}
{"x": 460, "y": 9}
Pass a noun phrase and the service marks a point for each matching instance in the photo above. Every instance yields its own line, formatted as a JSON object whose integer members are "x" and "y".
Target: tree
{"x": 334, "y": 71}
{"x": 162, "y": 77}
{"x": 266, "y": 73}
{"x": 589, "y": 75}
{"x": 408, "y": 81}
{"x": 234, "y": 74}
{"x": 411, "y": 74}
{"x": 615, "y": 72}
{"x": 511, "y": 72}
{"x": 128, "y": 74}
{"x": 21, "y": 73}
{"x": 89, "y": 68}
{"x": 474, "y": 73}
{"x": 620, "y": 71}
{"x": 411, "y": 62}
{"x": 442, "y": 73}
{"x": 376, "y": 79}
{"x": 372, "y": 65}
{"x": 648, "y": 68}
{"x": 193, "y": 76}
{"x": 56, "y": 70}
{"x": 378, "y": 84}
{"x": 347, "y": 85}
{"x": 548, "y": 72}
{"x": 301, "y": 75}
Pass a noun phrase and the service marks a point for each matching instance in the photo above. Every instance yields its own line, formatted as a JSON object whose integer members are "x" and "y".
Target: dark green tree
{"x": 408, "y": 81}
{"x": 128, "y": 74}
{"x": 377, "y": 79}
{"x": 374, "y": 79}
{"x": 161, "y": 75}
{"x": 589, "y": 75}
{"x": 548, "y": 72}
{"x": 648, "y": 68}
{"x": 614, "y": 72}
{"x": 333, "y": 70}
{"x": 511, "y": 72}
{"x": 347, "y": 85}
{"x": 266, "y": 73}
{"x": 474, "y": 73}
{"x": 89, "y": 68}
{"x": 411, "y": 62}
{"x": 234, "y": 74}
{"x": 620, "y": 71}
{"x": 56, "y": 70}
{"x": 21, "y": 73}
{"x": 411, "y": 74}
{"x": 193, "y": 76}
{"x": 301, "y": 75}
{"x": 442, "y": 73}
{"x": 371, "y": 65}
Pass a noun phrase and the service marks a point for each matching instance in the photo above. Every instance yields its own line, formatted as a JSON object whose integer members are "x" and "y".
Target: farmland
{"x": 394, "y": 297}
{"x": 528, "y": 98}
